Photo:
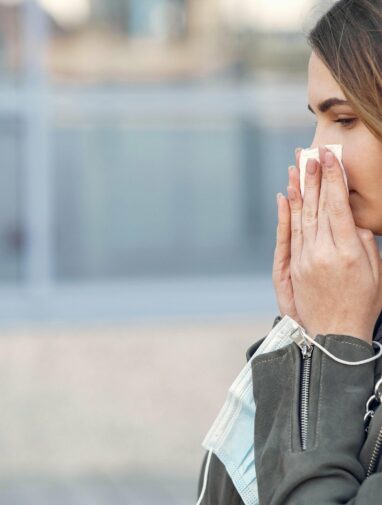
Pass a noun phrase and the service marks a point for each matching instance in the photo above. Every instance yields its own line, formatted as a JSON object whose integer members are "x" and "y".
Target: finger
{"x": 324, "y": 232}
{"x": 281, "y": 266}
{"x": 338, "y": 208}
{"x": 295, "y": 204}
{"x": 294, "y": 178}
{"x": 282, "y": 250}
{"x": 298, "y": 157}
{"x": 294, "y": 171}
{"x": 310, "y": 203}
{"x": 371, "y": 247}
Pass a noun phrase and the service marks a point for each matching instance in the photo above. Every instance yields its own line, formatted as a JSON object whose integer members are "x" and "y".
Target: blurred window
{"x": 148, "y": 197}
{"x": 161, "y": 41}
{"x": 157, "y": 132}
{"x": 12, "y": 219}
{"x": 10, "y": 43}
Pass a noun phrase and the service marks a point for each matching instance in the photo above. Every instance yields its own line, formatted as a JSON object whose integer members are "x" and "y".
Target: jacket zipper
{"x": 375, "y": 455}
{"x": 304, "y": 393}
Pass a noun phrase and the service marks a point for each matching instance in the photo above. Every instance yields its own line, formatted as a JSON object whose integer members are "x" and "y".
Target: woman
{"x": 328, "y": 277}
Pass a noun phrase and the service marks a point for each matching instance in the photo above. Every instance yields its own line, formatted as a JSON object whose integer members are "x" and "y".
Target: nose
{"x": 321, "y": 138}
{"x": 318, "y": 140}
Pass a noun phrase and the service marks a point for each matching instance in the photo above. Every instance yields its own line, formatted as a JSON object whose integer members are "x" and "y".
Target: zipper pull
{"x": 306, "y": 350}
{"x": 298, "y": 336}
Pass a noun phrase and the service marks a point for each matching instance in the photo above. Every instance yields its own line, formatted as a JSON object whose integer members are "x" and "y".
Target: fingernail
{"x": 291, "y": 193}
{"x": 279, "y": 195}
{"x": 297, "y": 150}
{"x": 311, "y": 166}
{"x": 329, "y": 159}
{"x": 291, "y": 168}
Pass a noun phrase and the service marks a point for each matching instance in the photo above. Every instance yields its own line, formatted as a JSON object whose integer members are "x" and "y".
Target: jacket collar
{"x": 377, "y": 333}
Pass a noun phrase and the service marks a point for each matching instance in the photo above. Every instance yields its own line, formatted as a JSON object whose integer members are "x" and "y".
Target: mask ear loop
{"x": 339, "y": 360}
{"x": 205, "y": 478}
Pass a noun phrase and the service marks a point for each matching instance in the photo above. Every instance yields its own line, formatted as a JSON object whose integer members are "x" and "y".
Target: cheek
{"x": 362, "y": 161}
{"x": 353, "y": 163}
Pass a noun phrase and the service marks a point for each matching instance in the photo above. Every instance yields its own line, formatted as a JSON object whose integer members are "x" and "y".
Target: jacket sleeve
{"x": 328, "y": 471}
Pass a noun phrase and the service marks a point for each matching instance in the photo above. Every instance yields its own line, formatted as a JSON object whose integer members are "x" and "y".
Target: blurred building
{"x": 143, "y": 143}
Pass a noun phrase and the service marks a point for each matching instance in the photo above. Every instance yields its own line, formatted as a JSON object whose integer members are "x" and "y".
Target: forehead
{"x": 321, "y": 84}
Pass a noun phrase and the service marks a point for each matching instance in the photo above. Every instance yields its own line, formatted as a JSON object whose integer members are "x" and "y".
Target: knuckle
{"x": 281, "y": 245}
{"x": 323, "y": 206}
{"x": 331, "y": 173}
{"x": 278, "y": 275}
{"x": 311, "y": 182}
{"x": 337, "y": 207}
{"x": 321, "y": 260}
{"x": 282, "y": 228}
{"x": 349, "y": 258}
{"x": 309, "y": 215}
{"x": 295, "y": 211}
{"x": 282, "y": 236}
{"x": 296, "y": 231}
{"x": 367, "y": 234}
{"x": 279, "y": 259}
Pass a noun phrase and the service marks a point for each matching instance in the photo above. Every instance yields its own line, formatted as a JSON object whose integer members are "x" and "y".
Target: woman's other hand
{"x": 335, "y": 269}
{"x": 281, "y": 275}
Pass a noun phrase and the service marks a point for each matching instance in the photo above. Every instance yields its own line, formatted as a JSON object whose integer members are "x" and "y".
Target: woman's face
{"x": 362, "y": 151}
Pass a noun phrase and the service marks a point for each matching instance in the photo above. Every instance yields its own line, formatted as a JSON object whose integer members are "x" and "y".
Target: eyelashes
{"x": 346, "y": 123}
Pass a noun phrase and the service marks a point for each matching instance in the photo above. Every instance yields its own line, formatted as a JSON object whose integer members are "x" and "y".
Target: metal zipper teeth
{"x": 375, "y": 454}
{"x": 304, "y": 398}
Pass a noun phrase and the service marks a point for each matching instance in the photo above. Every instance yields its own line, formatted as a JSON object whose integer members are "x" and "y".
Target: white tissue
{"x": 314, "y": 154}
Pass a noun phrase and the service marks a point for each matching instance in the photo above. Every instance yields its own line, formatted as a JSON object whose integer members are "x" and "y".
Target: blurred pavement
{"x": 115, "y": 414}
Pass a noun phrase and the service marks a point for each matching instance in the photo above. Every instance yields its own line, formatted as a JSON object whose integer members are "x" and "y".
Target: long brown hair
{"x": 348, "y": 39}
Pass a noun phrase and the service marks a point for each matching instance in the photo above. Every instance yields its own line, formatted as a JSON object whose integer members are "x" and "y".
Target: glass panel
{"x": 157, "y": 198}
{"x": 148, "y": 198}
{"x": 12, "y": 232}
{"x": 10, "y": 41}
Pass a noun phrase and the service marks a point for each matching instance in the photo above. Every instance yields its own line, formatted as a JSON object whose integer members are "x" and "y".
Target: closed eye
{"x": 345, "y": 122}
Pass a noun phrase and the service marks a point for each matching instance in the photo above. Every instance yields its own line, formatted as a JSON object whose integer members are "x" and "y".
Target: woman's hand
{"x": 281, "y": 275}
{"x": 335, "y": 268}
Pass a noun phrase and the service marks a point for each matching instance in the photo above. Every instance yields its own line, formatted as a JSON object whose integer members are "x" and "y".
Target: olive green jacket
{"x": 311, "y": 446}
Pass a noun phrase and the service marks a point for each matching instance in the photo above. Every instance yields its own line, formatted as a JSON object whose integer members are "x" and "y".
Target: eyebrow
{"x": 327, "y": 104}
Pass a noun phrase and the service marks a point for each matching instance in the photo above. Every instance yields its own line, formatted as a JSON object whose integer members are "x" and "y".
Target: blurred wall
{"x": 143, "y": 145}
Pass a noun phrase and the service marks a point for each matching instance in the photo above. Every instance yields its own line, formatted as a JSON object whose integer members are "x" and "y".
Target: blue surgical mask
{"x": 231, "y": 436}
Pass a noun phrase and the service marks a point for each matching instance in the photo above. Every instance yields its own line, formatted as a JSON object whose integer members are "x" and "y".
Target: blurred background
{"x": 142, "y": 145}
